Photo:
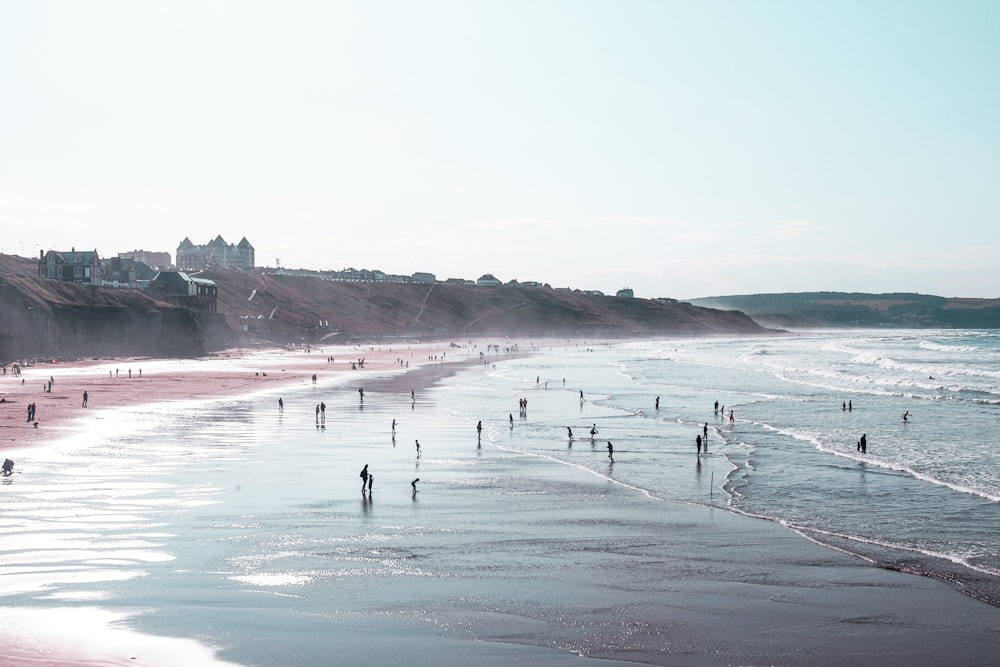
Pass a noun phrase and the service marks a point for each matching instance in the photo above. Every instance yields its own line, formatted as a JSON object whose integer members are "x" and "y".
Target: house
{"x": 82, "y": 268}
{"x": 216, "y": 254}
{"x": 488, "y": 280}
{"x": 126, "y": 272}
{"x": 625, "y": 292}
{"x": 180, "y": 289}
{"x": 160, "y": 261}
{"x": 423, "y": 277}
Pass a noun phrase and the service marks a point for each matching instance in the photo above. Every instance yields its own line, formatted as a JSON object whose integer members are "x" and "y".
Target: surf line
{"x": 645, "y": 492}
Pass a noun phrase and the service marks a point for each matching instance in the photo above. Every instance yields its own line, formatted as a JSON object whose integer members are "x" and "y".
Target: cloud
{"x": 518, "y": 223}
{"x": 790, "y": 229}
{"x": 636, "y": 220}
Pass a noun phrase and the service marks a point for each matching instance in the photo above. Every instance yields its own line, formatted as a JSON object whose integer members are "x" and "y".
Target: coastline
{"x": 760, "y": 582}
{"x": 113, "y": 383}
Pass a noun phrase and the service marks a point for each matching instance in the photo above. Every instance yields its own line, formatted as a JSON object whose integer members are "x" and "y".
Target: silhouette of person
{"x": 281, "y": 406}
{"x": 611, "y": 451}
{"x": 863, "y": 443}
{"x": 8, "y": 468}
{"x": 371, "y": 480}
{"x": 593, "y": 430}
{"x": 569, "y": 431}
{"x": 418, "y": 447}
{"x": 364, "y": 478}
{"x": 697, "y": 442}
{"x": 479, "y": 429}
{"x": 85, "y": 399}
{"x": 413, "y": 485}
{"x": 657, "y": 402}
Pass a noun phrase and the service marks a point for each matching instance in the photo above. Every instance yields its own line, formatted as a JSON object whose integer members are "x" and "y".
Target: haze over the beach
{"x": 682, "y": 149}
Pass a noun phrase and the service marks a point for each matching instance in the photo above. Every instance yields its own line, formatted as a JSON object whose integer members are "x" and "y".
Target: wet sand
{"x": 627, "y": 579}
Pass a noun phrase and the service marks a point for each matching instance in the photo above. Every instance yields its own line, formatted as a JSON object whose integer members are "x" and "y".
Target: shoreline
{"x": 114, "y": 383}
{"x": 816, "y": 578}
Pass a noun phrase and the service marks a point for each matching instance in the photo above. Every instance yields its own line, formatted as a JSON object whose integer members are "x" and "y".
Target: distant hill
{"x": 47, "y": 318}
{"x": 854, "y": 309}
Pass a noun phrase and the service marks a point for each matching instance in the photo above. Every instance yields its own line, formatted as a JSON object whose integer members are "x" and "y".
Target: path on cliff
{"x": 495, "y": 311}
{"x": 423, "y": 304}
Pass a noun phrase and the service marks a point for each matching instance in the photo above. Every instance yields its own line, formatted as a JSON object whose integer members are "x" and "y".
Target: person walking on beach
{"x": 364, "y": 478}
{"x": 479, "y": 430}
{"x": 657, "y": 402}
{"x": 413, "y": 485}
{"x": 704, "y": 430}
{"x": 510, "y": 416}
{"x": 593, "y": 431}
{"x": 611, "y": 451}
{"x": 394, "y": 427}
{"x": 281, "y": 407}
{"x": 418, "y": 448}
{"x": 361, "y": 393}
{"x": 317, "y": 413}
{"x": 697, "y": 442}
{"x": 84, "y": 398}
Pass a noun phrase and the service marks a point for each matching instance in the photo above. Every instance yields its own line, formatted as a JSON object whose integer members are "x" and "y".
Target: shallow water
{"x": 232, "y": 524}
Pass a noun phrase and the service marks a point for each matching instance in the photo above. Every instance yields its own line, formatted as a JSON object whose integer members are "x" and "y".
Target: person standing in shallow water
{"x": 364, "y": 478}
{"x": 697, "y": 442}
{"x": 611, "y": 451}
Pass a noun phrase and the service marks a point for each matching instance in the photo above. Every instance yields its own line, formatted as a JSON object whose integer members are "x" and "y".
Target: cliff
{"x": 298, "y": 308}
{"x": 853, "y": 309}
{"x": 46, "y": 318}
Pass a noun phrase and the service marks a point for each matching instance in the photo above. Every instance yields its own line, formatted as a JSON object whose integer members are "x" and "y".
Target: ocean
{"x": 246, "y": 529}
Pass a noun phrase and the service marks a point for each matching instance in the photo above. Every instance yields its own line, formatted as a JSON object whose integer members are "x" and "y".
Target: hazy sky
{"x": 683, "y": 149}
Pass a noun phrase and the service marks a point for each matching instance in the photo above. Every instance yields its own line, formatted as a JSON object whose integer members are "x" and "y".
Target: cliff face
{"x": 47, "y": 318}
{"x": 305, "y": 309}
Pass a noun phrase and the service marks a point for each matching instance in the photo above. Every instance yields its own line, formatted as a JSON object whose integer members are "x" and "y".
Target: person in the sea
{"x": 418, "y": 448}
{"x": 697, "y": 442}
{"x": 593, "y": 430}
{"x": 569, "y": 431}
{"x": 611, "y": 451}
{"x": 906, "y": 415}
{"x": 393, "y": 426}
{"x": 8, "y": 467}
{"x": 705, "y": 431}
{"x": 863, "y": 443}
{"x": 479, "y": 429}
{"x": 413, "y": 485}
{"x": 657, "y": 402}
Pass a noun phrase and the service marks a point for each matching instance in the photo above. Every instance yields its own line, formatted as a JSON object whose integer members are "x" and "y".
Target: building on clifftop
{"x": 216, "y": 254}
{"x": 82, "y": 268}
{"x": 180, "y": 289}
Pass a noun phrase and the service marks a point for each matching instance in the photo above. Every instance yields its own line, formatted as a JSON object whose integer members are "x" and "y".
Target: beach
{"x": 518, "y": 546}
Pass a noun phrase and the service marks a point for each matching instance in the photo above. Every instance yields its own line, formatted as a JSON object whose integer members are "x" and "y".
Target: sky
{"x": 682, "y": 149}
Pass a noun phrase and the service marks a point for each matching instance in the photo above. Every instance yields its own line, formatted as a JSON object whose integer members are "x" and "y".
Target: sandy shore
{"x": 727, "y": 589}
{"x": 118, "y": 382}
